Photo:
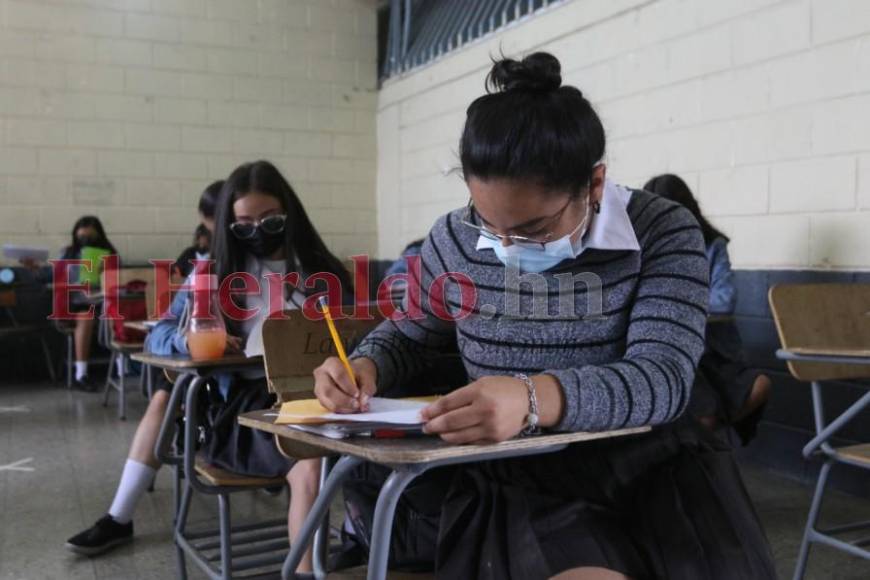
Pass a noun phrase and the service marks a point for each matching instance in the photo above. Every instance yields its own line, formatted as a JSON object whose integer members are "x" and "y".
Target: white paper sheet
{"x": 382, "y": 410}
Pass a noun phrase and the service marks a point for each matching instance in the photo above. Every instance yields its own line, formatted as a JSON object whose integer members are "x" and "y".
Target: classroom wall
{"x": 762, "y": 105}
{"x": 128, "y": 108}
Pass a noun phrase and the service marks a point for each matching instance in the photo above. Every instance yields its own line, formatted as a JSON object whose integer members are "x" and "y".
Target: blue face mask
{"x": 528, "y": 259}
{"x": 536, "y": 259}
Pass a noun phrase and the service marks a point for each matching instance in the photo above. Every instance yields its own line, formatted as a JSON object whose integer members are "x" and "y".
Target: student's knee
{"x": 304, "y": 476}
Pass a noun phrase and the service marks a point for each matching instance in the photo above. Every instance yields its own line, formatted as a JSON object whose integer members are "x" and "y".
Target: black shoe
{"x": 274, "y": 491}
{"x": 84, "y": 384}
{"x": 101, "y": 537}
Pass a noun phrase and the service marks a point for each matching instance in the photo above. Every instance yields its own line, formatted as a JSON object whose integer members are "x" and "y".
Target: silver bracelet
{"x": 533, "y": 418}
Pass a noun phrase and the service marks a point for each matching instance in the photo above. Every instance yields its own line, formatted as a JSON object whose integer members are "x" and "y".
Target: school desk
{"x": 824, "y": 330}
{"x": 186, "y": 371}
{"x": 8, "y": 304}
{"x": 236, "y": 553}
{"x": 146, "y": 378}
{"x": 408, "y": 458}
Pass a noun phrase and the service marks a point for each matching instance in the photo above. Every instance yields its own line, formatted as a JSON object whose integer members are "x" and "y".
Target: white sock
{"x": 81, "y": 369}
{"x": 119, "y": 364}
{"x": 135, "y": 480}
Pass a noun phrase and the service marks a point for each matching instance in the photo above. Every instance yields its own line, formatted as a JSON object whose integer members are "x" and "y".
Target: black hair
{"x": 199, "y": 232}
{"x": 102, "y": 241}
{"x": 209, "y": 198}
{"x": 531, "y": 127}
{"x": 302, "y": 243}
{"x": 672, "y": 187}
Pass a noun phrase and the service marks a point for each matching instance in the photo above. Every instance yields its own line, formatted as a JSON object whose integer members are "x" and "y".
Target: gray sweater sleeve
{"x": 399, "y": 348}
{"x": 652, "y": 382}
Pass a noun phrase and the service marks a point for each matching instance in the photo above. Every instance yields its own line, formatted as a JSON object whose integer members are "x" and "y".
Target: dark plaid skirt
{"x": 669, "y": 504}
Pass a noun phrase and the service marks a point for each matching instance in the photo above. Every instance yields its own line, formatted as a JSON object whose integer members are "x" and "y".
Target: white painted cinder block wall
{"x": 762, "y": 105}
{"x": 127, "y": 109}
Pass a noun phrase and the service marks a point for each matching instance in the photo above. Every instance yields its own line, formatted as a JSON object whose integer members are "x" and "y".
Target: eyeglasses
{"x": 273, "y": 224}
{"x": 536, "y": 243}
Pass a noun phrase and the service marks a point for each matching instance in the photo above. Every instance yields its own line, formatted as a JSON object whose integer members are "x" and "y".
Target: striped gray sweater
{"x": 631, "y": 365}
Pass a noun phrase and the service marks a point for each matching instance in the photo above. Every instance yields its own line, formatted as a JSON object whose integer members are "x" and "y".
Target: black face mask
{"x": 262, "y": 244}
{"x": 83, "y": 241}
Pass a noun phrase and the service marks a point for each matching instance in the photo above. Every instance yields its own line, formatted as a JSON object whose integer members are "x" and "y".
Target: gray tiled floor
{"x": 78, "y": 447}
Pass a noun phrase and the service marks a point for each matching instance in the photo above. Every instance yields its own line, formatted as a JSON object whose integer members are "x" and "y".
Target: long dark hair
{"x": 531, "y": 127}
{"x": 302, "y": 243}
{"x": 209, "y": 198}
{"x": 90, "y": 221}
{"x": 672, "y": 187}
{"x": 201, "y": 232}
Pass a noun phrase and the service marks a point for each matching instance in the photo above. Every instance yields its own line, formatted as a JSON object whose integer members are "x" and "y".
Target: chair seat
{"x": 127, "y": 346}
{"x": 217, "y": 476}
{"x": 859, "y": 453}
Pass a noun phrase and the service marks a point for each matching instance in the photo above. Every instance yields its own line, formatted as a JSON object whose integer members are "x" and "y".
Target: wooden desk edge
{"x": 821, "y": 351}
{"x": 397, "y": 451}
{"x": 181, "y": 364}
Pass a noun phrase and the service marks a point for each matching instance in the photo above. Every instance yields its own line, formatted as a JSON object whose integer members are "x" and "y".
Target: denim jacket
{"x": 723, "y": 294}
{"x": 167, "y": 338}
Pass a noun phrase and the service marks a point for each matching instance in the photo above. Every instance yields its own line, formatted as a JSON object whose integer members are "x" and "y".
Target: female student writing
{"x": 667, "y": 504}
{"x": 261, "y": 228}
{"x": 726, "y": 390}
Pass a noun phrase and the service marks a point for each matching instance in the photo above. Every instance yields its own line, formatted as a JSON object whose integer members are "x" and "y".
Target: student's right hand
{"x": 335, "y": 390}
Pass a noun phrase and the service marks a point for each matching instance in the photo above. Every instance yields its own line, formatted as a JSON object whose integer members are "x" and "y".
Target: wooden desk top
{"x": 183, "y": 362}
{"x": 416, "y": 449}
{"x": 823, "y": 351}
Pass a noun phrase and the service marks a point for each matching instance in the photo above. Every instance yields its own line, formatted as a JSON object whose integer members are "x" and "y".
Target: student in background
{"x": 202, "y": 236}
{"x": 400, "y": 266}
{"x": 198, "y": 251}
{"x": 87, "y": 232}
{"x": 668, "y": 503}
{"x": 726, "y": 390}
{"x": 261, "y": 228}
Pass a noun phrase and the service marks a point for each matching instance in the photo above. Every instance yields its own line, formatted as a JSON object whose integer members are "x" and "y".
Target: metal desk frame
{"x": 406, "y": 464}
{"x": 819, "y": 445}
{"x": 382, "y": 525}
{"x": 272, "y": 534}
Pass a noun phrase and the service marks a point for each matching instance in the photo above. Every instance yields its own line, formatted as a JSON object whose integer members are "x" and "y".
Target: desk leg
{"x": 166, "y": 434}
{"x": 180, "y": 524}
{"x": 321, "y": 537}
{"x": 382, "y": 526}
{"x": 317, "y": 513}
{"x": 823, "y": 434}
{"x": 167, "y": 426}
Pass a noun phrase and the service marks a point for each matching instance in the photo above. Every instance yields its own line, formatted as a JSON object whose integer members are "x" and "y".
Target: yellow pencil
{"x": 339, "y": 347}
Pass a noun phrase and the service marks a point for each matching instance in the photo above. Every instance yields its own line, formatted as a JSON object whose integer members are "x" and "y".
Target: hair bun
{"x": 539, "y": 71}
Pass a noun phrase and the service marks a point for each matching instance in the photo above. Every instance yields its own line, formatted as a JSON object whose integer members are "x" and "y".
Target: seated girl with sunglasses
{"x": 261, "y": 228}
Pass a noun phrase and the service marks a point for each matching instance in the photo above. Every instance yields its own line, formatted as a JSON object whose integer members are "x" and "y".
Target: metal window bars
{"x": 421, "y": 31}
